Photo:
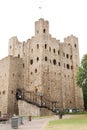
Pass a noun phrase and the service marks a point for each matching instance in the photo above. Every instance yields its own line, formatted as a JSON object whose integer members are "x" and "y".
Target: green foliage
{"x": 82, "y": 78}
{"x": 82, "y": 73}
{"x": 85, "y": 97}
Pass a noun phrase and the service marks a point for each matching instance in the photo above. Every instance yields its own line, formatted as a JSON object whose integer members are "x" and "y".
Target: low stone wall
{"x": 26, "y": 109}
{"x": 46, "y": 112}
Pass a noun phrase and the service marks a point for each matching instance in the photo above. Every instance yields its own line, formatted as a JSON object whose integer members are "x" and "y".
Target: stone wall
{"x": 26, "y": 109}
{"x": 11, "y": 78}
{"x": 15, "y": 82}
{"x": 4, "y": 82}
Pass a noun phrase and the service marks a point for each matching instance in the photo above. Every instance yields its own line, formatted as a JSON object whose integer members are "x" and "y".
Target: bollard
{"x": 60, "y": 115}
{"x": 21, "y": 120}
{"x": 0, "y": 113}
{"x": 29, "y": 118}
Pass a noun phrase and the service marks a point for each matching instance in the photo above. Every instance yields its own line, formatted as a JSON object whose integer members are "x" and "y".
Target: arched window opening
{"x": 31, "y": 61}
{"x": 59, "y": 63}
{"x": 3, "y": 92}
{"x": 70, "y": 56}
{"x": 36, "y": 90}
{"x": 11, "y": 91}
{"x": 44, "y": 30}
{"x": 45, "y": 46}
{"x": 67, "y": 66}
{"x": 23, "y": 65}
{"x": 35, "y": 70}
{"x": 58, "y": 52}
{"x": 71, "y": 67}
{"x": 54, "y": 62}
{"x": 75, "y": 45}
{"x": 18, "y": 94}
{"x": 67, "y": 56}
{"x": 18, "y": 55}
{"x": 13, "y": 74}
{"x": 37, "y": 46}
{"x": 37, "y": 58}
{"x": 45, "y": 58}
{"x": 54, "y": 50}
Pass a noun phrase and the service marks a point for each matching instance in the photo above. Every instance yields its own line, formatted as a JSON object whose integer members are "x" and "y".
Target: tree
{"x": 82, "y": 78}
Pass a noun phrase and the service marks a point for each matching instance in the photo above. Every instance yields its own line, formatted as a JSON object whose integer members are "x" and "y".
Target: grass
{"x": 75, "y": 122}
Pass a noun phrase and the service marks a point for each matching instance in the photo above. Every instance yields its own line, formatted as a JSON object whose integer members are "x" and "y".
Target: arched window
{"x": 54, "y": 62}
{"x": 37, "y": 58}
{"x": 31, "y": 61}
{"x": 67, "y": 56}
{"x": 44, "y": 30}
{"x": 58, "y": 52}
{"x": 37, "y": 46}
{"x": 45, "y": 58}
{"x": 23, "y": 65}
{"x": 70, "y": 56}
{"x": 45, "y": 46}
{"x": 75, "y": 45}
{"x": 59, "y": 63}
{"x": 54, "y": 50}
{"x": 18, "y": 55}
{"x": 71, "y": 67}
{"x": 35, "y": 70}
{"x": 3, "y": 92}
{"x": 67, "y": 66}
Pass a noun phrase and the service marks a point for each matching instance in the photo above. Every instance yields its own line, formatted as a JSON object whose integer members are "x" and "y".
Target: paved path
{"x": 35, "y": 124}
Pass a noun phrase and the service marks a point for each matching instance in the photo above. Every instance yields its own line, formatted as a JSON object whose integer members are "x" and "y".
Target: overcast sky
{"x": 65, "y": 17}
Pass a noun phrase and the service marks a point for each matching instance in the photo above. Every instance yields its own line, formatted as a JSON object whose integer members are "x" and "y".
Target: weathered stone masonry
{"x": 44, "y": 65}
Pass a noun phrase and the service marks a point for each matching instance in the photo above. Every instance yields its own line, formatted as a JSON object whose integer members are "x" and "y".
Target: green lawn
{"x": 74, "y": 122}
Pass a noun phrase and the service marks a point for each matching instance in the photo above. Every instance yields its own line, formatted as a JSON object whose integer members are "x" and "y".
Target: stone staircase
{"x": 37, "y": 99}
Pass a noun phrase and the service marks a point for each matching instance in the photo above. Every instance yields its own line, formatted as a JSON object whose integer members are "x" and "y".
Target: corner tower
{"x": 41, "y": 27}
{"x": 73, "y": 41}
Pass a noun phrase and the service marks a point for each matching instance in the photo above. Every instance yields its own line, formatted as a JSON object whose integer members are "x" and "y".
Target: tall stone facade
{"x": 43, "y": 65}
{"x": 11, "y": 78}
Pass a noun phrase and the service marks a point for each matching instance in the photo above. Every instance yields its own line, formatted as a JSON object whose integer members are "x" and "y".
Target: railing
{"x": 39, "y": 100}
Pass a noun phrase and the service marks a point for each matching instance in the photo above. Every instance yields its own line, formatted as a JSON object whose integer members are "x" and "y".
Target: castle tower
{"x": 41, "y": 27}
{"x": 73, "y": 41}
{"x": 35, "y": 56}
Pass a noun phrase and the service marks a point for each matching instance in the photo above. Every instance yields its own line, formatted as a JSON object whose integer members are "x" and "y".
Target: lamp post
{"x": 41, "y": 99}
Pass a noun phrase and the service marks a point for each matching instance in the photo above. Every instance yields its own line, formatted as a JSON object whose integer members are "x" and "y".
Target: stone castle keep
{"x": 41, "y": 65}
